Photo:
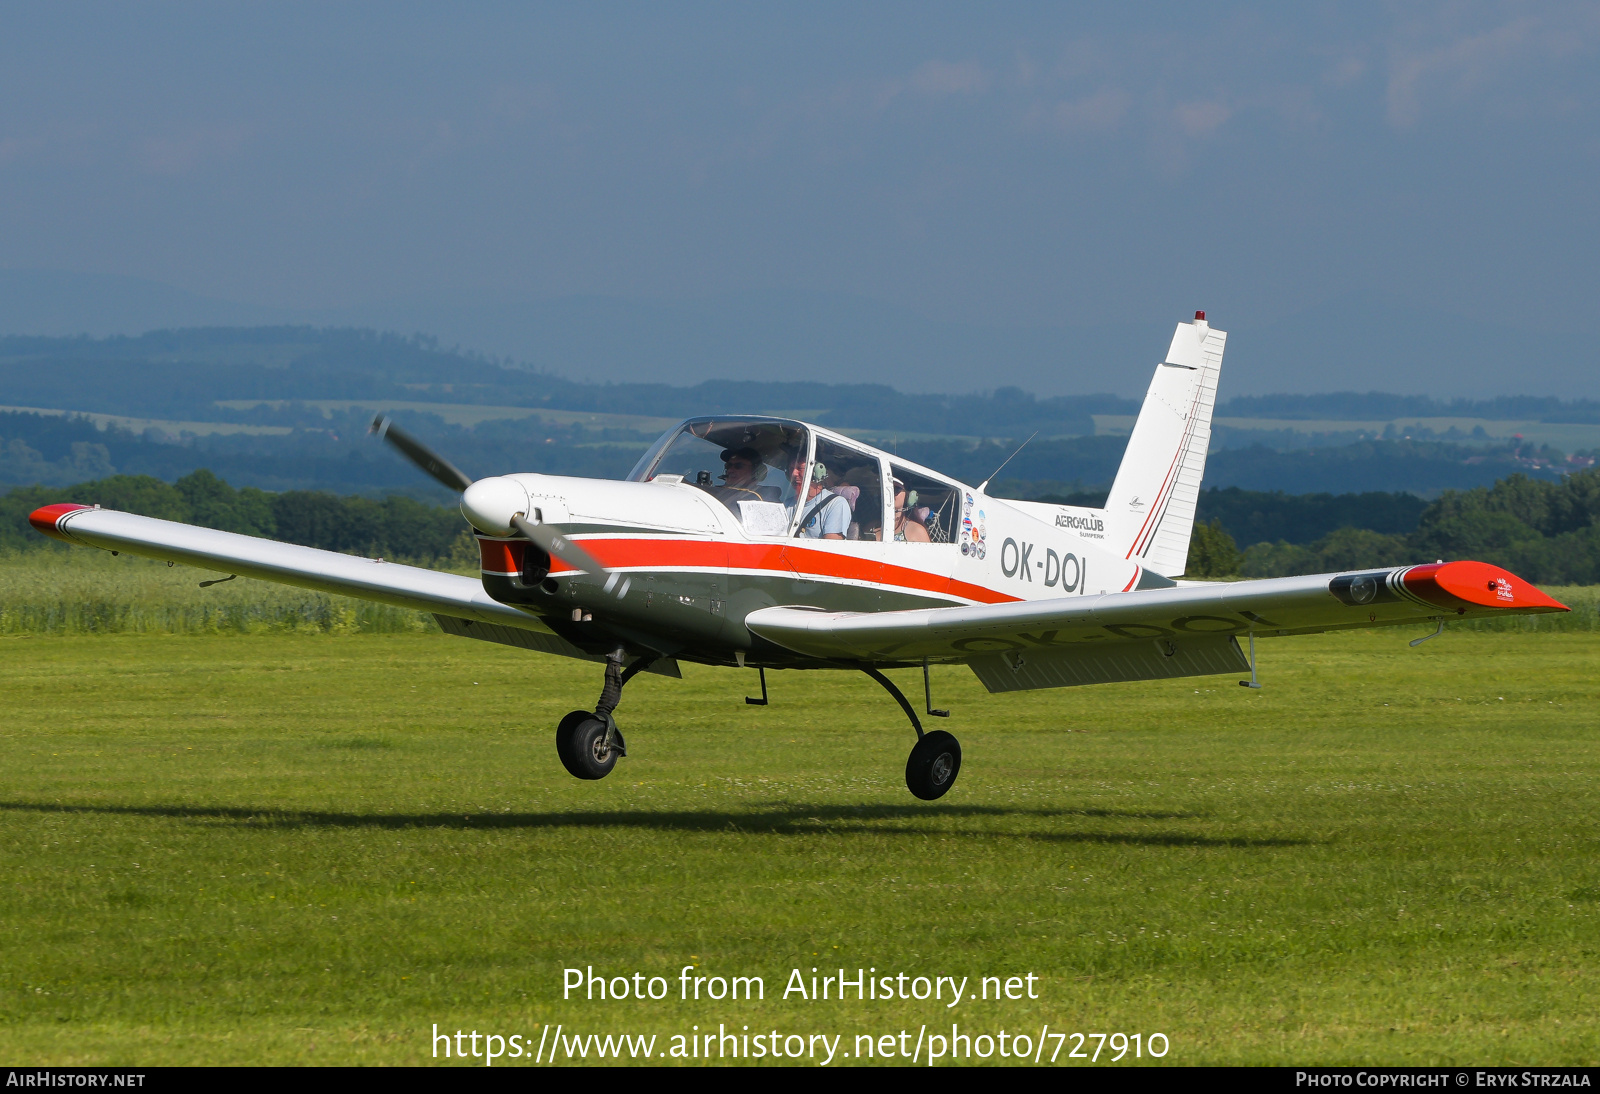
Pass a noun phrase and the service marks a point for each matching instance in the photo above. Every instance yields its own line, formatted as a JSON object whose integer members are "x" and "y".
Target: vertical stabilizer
{"x": 1151, "y": 506}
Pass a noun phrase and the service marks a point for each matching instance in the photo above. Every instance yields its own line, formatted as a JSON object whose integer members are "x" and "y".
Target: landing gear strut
{"x": 589, "y": 743}
{"x": 935, "y": 760}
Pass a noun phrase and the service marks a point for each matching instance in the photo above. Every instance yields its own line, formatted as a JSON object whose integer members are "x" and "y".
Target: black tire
{"x": 934, "y": 764}
{"x": 581, "y": 744}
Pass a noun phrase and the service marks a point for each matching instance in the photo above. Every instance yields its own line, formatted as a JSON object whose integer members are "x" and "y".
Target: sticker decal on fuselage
{"x": 973, "y": 530}
{"x": 1090, "y": 527}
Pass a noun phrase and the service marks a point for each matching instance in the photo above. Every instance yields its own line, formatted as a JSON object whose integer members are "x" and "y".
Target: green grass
{"x": 56, "y": 592}
{"x": 310, "y": 848}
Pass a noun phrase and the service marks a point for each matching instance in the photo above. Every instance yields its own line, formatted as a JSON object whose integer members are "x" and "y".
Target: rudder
{"x": 1152, "y": 502}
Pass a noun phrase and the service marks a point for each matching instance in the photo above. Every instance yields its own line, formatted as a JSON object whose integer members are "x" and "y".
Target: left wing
{"x": 1184, "y": 631}
{"x": 457, "y": 602}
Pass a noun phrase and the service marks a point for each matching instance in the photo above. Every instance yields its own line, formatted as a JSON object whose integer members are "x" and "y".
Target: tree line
{"x": 395, "y": 527}
{"x": 1545, "y": 532}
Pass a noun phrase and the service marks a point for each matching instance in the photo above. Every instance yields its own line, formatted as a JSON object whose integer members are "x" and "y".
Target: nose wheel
{"x": 589, "y": 742}
{"x": 588, "y": 745}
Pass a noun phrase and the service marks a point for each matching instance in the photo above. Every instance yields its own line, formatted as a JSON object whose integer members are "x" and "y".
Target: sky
{"x": 944, "y": 197}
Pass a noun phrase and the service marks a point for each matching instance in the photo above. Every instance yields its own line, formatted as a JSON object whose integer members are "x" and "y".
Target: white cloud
{"x": 1421, "y": 78}
{"x": 1461, "y": 64}
{"x": 1346, "y": 72}
{"x": 948, "y": 78}
{"x": 1199, "y": 119}
{"x": 179, "y": 153}
{"x": 1103, "y": 110}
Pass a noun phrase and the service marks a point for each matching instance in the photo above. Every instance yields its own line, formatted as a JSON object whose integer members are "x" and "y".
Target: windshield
{"x": 742, "y": 461}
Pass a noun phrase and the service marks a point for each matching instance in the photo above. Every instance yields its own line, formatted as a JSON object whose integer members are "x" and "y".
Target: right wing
{"x": 459, "y": 603}
{"x": 1188, "y": 630}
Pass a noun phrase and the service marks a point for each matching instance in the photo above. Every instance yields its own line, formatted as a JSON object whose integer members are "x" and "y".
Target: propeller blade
{"x": 439, "y": 468}
{"x": 559, "y": 546}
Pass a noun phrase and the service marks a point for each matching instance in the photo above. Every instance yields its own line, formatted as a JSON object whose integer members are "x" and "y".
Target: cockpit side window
{"x": 857, "y": 476}
{"x": 742, "y": 462}
{"x": 929, "y": 510}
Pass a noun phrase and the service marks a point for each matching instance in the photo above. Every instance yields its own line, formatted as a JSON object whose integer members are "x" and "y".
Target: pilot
{"x": 742, "y": 477}
{"x": 825, "y": 515}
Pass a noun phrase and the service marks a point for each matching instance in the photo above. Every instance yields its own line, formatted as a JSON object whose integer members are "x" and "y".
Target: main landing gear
{"x": 589, "y": 742}
{"x": 935, "y": 759}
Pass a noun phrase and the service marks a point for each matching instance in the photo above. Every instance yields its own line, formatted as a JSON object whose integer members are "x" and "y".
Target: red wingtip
{"x": 47, "y": 518}
{"x": 1477, "y": 585}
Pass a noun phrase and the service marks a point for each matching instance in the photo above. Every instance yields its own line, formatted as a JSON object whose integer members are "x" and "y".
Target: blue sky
{"x": 1049, "y": 186}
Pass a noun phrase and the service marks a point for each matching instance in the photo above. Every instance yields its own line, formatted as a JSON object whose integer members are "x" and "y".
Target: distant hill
{"x": 183, "y": 374}
{"x": 285, "y": 408}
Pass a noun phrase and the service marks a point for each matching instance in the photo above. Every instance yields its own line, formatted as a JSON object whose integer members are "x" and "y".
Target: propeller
{"x": 559, "y": 546}
{"x": 436, "y": 466}
{"x": 448, "y": 474}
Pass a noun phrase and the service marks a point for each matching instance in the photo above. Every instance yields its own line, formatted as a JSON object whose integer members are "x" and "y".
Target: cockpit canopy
{"x": 695, "y": 448}
{"x": 755, "y": 465}
{"x": 742, "y": 460}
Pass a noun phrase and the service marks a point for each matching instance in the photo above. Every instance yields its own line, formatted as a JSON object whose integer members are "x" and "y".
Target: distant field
{"x": 166, "y": 425}
{"x": 309, "y": 848}
{"x": 1565, "y": 436}
{"x": 471, "y": 414}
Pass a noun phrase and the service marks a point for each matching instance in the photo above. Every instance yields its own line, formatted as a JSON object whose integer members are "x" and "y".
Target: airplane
{"x": 817, "y": 551}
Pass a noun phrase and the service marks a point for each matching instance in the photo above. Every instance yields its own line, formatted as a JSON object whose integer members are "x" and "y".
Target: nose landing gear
{"x": 589, "y": 743}
{"x": 583, "y": 741}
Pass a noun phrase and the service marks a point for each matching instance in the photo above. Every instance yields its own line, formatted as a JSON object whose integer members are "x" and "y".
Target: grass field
{"x": 296, "y": 847}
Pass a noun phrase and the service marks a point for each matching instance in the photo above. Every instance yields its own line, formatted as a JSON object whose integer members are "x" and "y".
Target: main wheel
{"x": 581, "y": 744}
{"x": 933, "y": 766}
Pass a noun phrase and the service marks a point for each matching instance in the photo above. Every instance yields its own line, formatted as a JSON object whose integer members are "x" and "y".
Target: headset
{"x": 895, "y": 486}
{"x": 819, "y": 470}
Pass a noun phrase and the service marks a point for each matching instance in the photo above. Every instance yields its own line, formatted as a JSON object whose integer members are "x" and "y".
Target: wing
{"x": 459, "y": 603}
{"x": 1189, "y": 630}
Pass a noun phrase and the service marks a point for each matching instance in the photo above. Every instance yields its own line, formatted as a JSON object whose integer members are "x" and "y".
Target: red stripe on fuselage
{"x": 679, "y": 552}
{"x": 500, "y": 556}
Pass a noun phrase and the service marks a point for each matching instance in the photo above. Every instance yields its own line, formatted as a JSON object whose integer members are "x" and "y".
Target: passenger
{"x": 907, "y": 530}
{"x": 742, "y": 478}
{"x": 841, "y": 486}
{"x": 825, "y": 515}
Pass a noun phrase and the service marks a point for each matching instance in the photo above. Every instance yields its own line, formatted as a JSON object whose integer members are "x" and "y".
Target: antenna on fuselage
{"x": 1007, "y": 460}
